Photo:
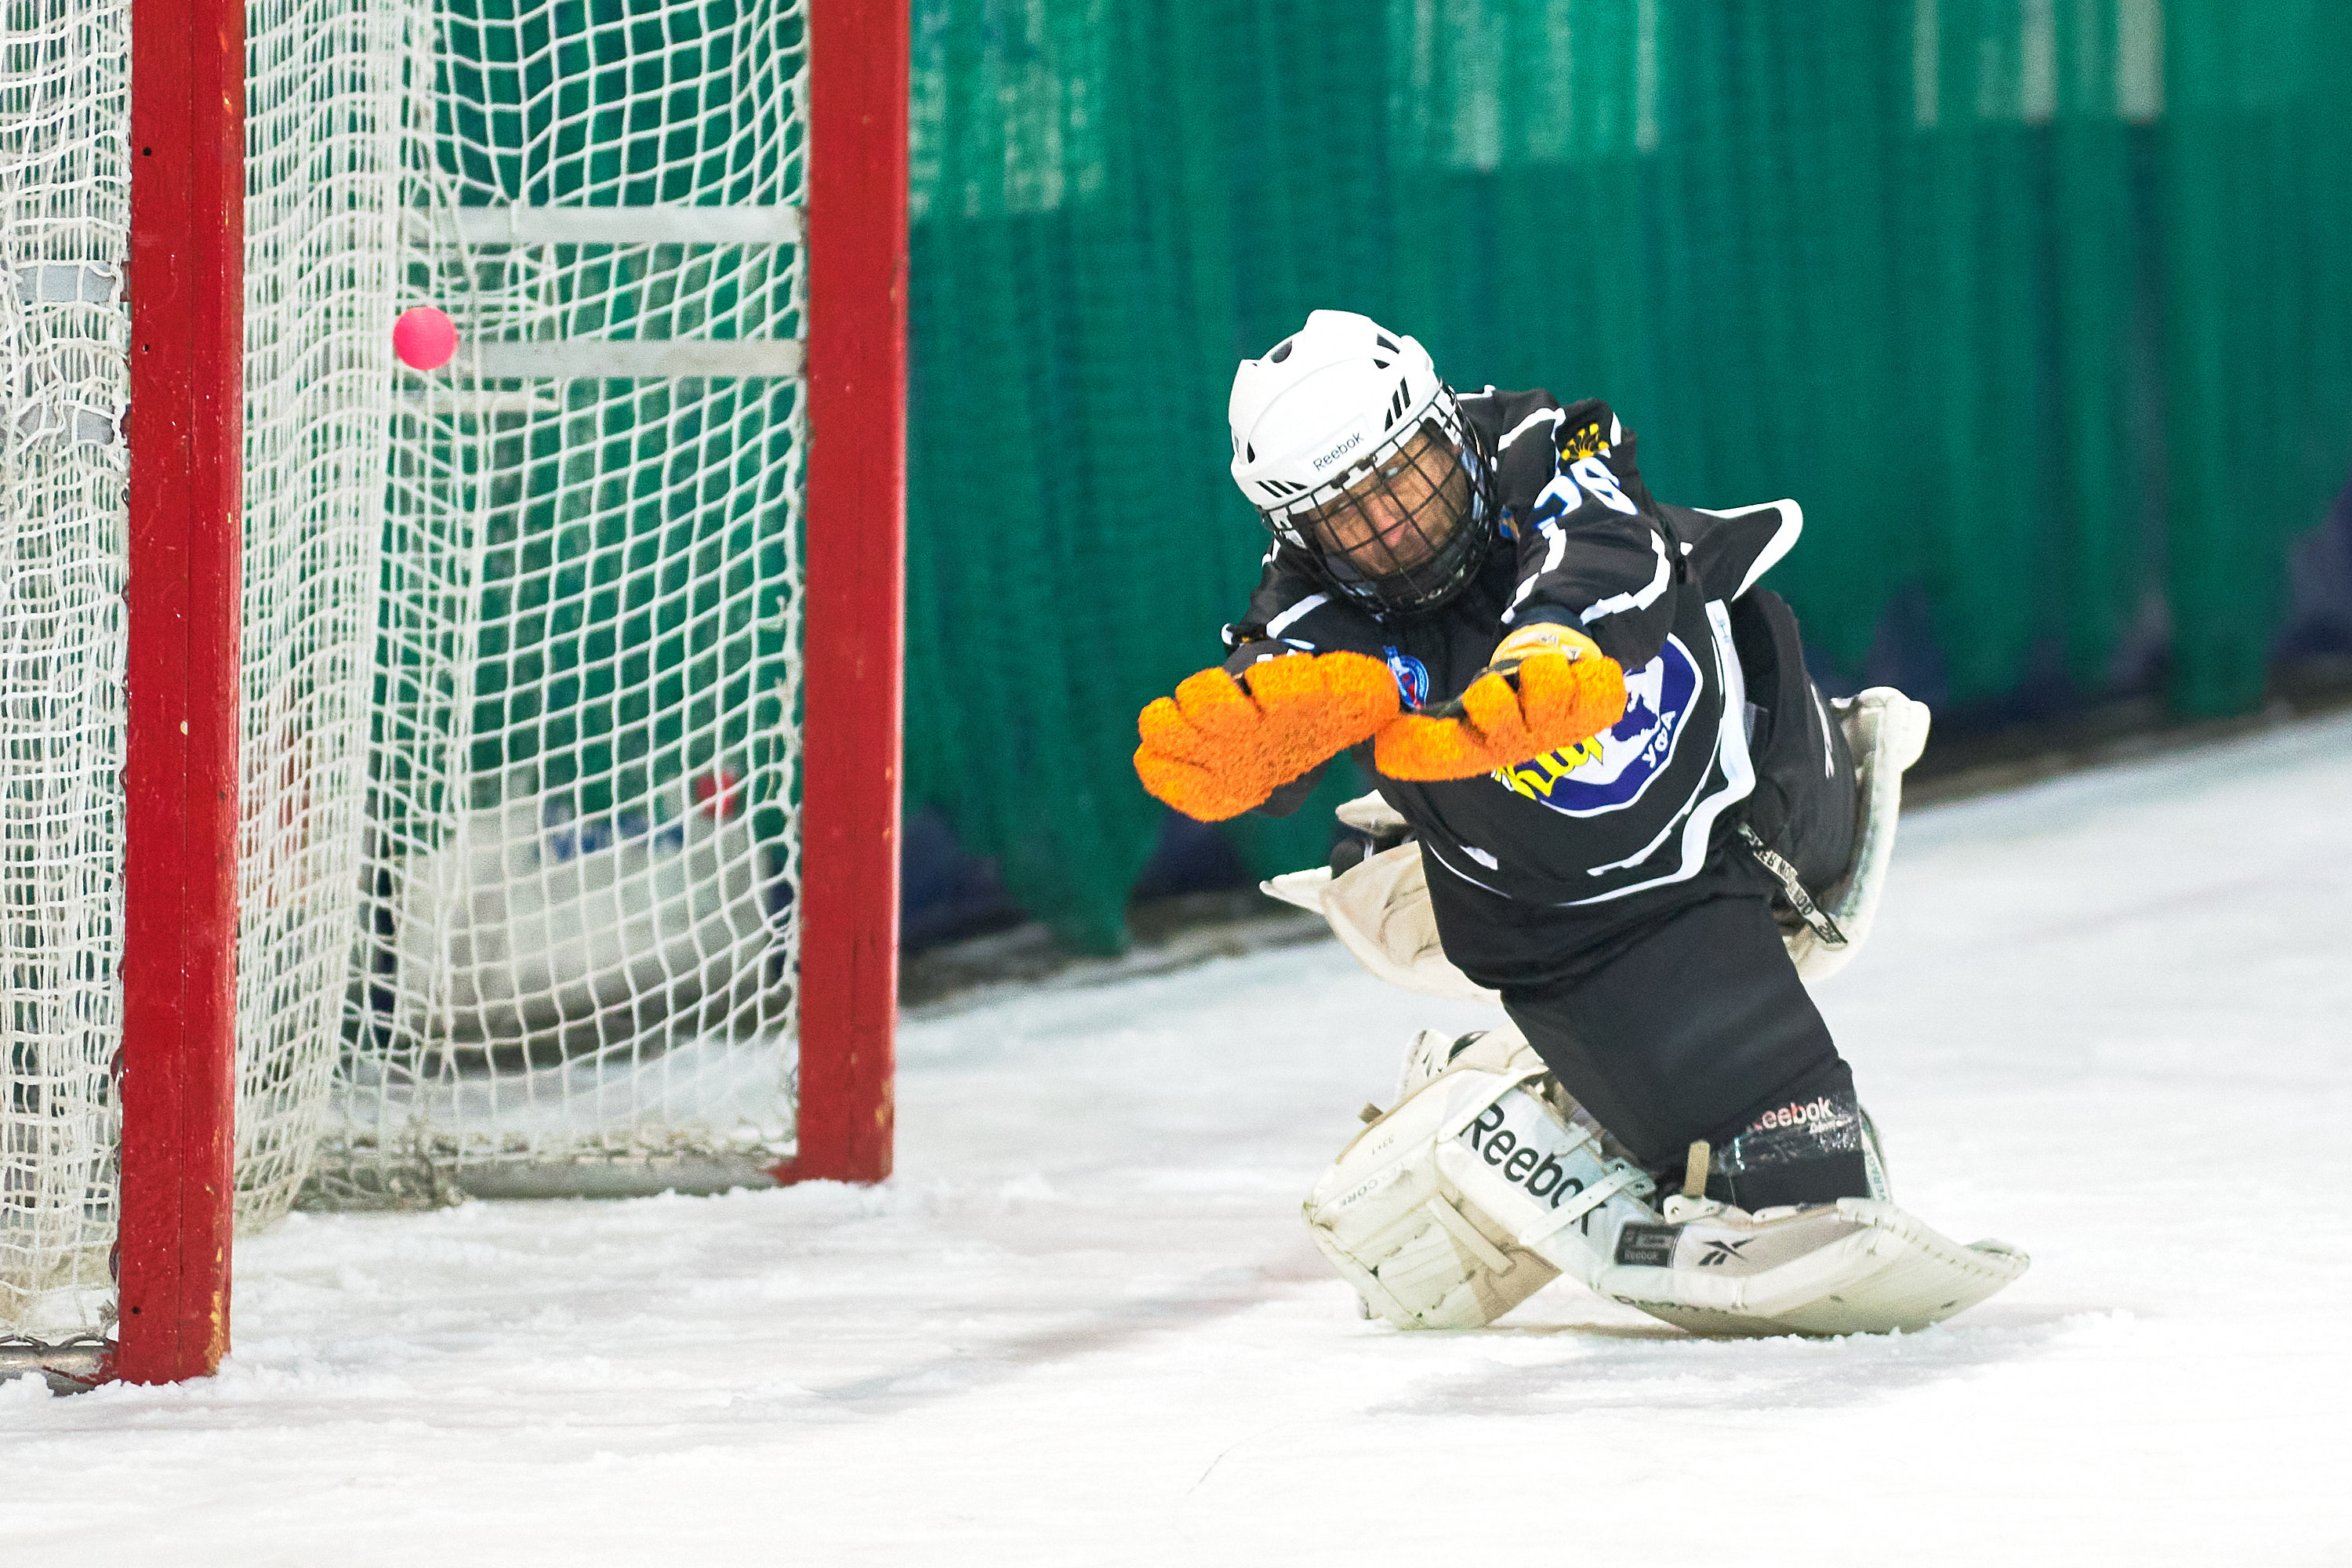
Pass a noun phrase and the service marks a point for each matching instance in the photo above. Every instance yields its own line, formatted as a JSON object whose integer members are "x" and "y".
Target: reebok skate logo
{"x": 1720, "y": 1252}
{"x": 1813, "y": 1113}
{"x": 1516, "y": 1156}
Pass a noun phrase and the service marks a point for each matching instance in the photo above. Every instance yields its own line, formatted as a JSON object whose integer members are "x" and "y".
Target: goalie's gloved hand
{"x": 1221, "y": 746}
{"x": 1547, "y": 687}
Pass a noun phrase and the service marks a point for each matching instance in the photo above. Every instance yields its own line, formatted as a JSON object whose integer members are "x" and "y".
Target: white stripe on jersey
{"x": 1552, "y": 558}
{"x": 1283, "y": 621}
{"x": 1647, "y": 596}
{"x": 1430, "y": 850}
{"x": 1554, "y": 415}
{"x": 1730, "y": 755}
{"x": 1784, "y": 538}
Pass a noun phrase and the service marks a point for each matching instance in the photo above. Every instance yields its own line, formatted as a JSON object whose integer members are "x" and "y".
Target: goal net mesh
{"x": 520, "y": 680}
{"x": 64, "y": 384}
{"x": 583, "y": 749}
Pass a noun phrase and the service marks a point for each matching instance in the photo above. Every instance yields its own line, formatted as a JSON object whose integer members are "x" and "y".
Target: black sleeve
{"x": 1593, "y": 552}
{"x": 1287, "y": 798}
{"x": 1292, "y": 612}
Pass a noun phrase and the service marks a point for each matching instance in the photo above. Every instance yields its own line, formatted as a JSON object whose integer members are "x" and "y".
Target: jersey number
{"x": 1601, "y": 485}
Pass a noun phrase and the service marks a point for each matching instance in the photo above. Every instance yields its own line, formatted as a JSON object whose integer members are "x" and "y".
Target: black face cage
{"x": 1404, "y": 531}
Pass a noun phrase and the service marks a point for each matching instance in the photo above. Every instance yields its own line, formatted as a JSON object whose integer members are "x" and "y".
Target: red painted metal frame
{"x": 176, "y": 1075}
{"x": 854, "y": 620}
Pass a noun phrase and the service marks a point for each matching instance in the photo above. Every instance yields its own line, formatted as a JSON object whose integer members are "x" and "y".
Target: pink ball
{"x": 424, "y": 337}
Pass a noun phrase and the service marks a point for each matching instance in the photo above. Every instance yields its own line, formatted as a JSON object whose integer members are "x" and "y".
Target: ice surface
{"x": 2107, "y": 1018}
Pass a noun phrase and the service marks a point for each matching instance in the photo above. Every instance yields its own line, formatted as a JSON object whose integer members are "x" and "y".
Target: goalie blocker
{"x": 1484, "y": 1183}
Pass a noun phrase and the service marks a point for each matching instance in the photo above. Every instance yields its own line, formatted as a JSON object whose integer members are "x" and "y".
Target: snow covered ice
{"x": 2106, "y": 1019}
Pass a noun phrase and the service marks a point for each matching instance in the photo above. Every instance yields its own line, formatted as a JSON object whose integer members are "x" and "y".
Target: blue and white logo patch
{"x": 1609, "y": 771}
{"x": 1412, "y": 678}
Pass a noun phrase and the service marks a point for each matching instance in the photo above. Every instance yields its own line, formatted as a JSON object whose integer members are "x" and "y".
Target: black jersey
{"x": 1638, "y": 808}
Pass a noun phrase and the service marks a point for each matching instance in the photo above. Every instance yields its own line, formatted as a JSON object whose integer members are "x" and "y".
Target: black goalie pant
{"x": 1698, "y": 1028}
{"x": 1687, "y": 1021}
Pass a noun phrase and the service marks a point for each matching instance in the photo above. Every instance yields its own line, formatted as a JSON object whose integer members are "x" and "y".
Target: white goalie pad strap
{"x": 1886, "y": 731}
{"x": 1622, "y": 1179}
{"x": 1543, "y": 1180}
{"x": 1450, "y": 1218}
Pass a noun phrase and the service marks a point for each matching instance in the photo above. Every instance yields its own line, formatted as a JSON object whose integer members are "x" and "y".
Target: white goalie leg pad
{"x": 1431, "y": 1053}
{"x": 1478, "y": 1190}
{"x": 1393, "y": 1217}
{"x": 1396, "y": 1226}
{"x": 1502, "y": 1049}
{"x": 1886, "y": 731}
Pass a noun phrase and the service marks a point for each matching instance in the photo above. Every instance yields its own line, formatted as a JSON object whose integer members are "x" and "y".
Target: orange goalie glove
{"x": 1566, "y": 691}
{"x": 1218, "y": 747}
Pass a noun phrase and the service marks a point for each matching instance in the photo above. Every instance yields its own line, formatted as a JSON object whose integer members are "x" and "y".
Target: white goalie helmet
{"x": 1354, "y": 451}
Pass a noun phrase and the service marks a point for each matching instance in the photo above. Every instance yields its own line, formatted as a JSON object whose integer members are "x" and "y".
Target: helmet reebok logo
{"x": 1326, "y": 459}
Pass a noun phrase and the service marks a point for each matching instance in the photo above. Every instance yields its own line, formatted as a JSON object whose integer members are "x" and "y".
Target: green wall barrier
{"x": 2039, "y": 307}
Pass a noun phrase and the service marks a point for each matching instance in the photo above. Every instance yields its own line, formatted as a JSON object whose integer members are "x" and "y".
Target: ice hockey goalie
{"x": 1610, "y": 799}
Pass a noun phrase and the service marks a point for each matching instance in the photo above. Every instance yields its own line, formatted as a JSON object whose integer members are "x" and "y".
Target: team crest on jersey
{"x": 1412, "y": 677}
{"x": 1609, "y": 771}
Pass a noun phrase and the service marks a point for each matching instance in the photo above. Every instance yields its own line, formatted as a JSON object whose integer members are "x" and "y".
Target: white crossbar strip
{"x": 638, "y": 359}
{"x": 672, "y": 224}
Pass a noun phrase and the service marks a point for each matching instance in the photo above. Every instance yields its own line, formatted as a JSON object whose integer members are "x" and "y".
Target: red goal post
{"x": 176, "y": 1067}
{"x": 855, "y": 634}
{"x": 183, "y": 429}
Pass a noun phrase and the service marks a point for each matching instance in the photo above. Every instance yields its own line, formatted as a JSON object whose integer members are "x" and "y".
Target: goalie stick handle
{"x": 1811, "y": 914}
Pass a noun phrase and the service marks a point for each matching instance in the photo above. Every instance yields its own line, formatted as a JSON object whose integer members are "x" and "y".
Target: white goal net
{"x": 64, "y": 382}
{"x": 520, "y": 713}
